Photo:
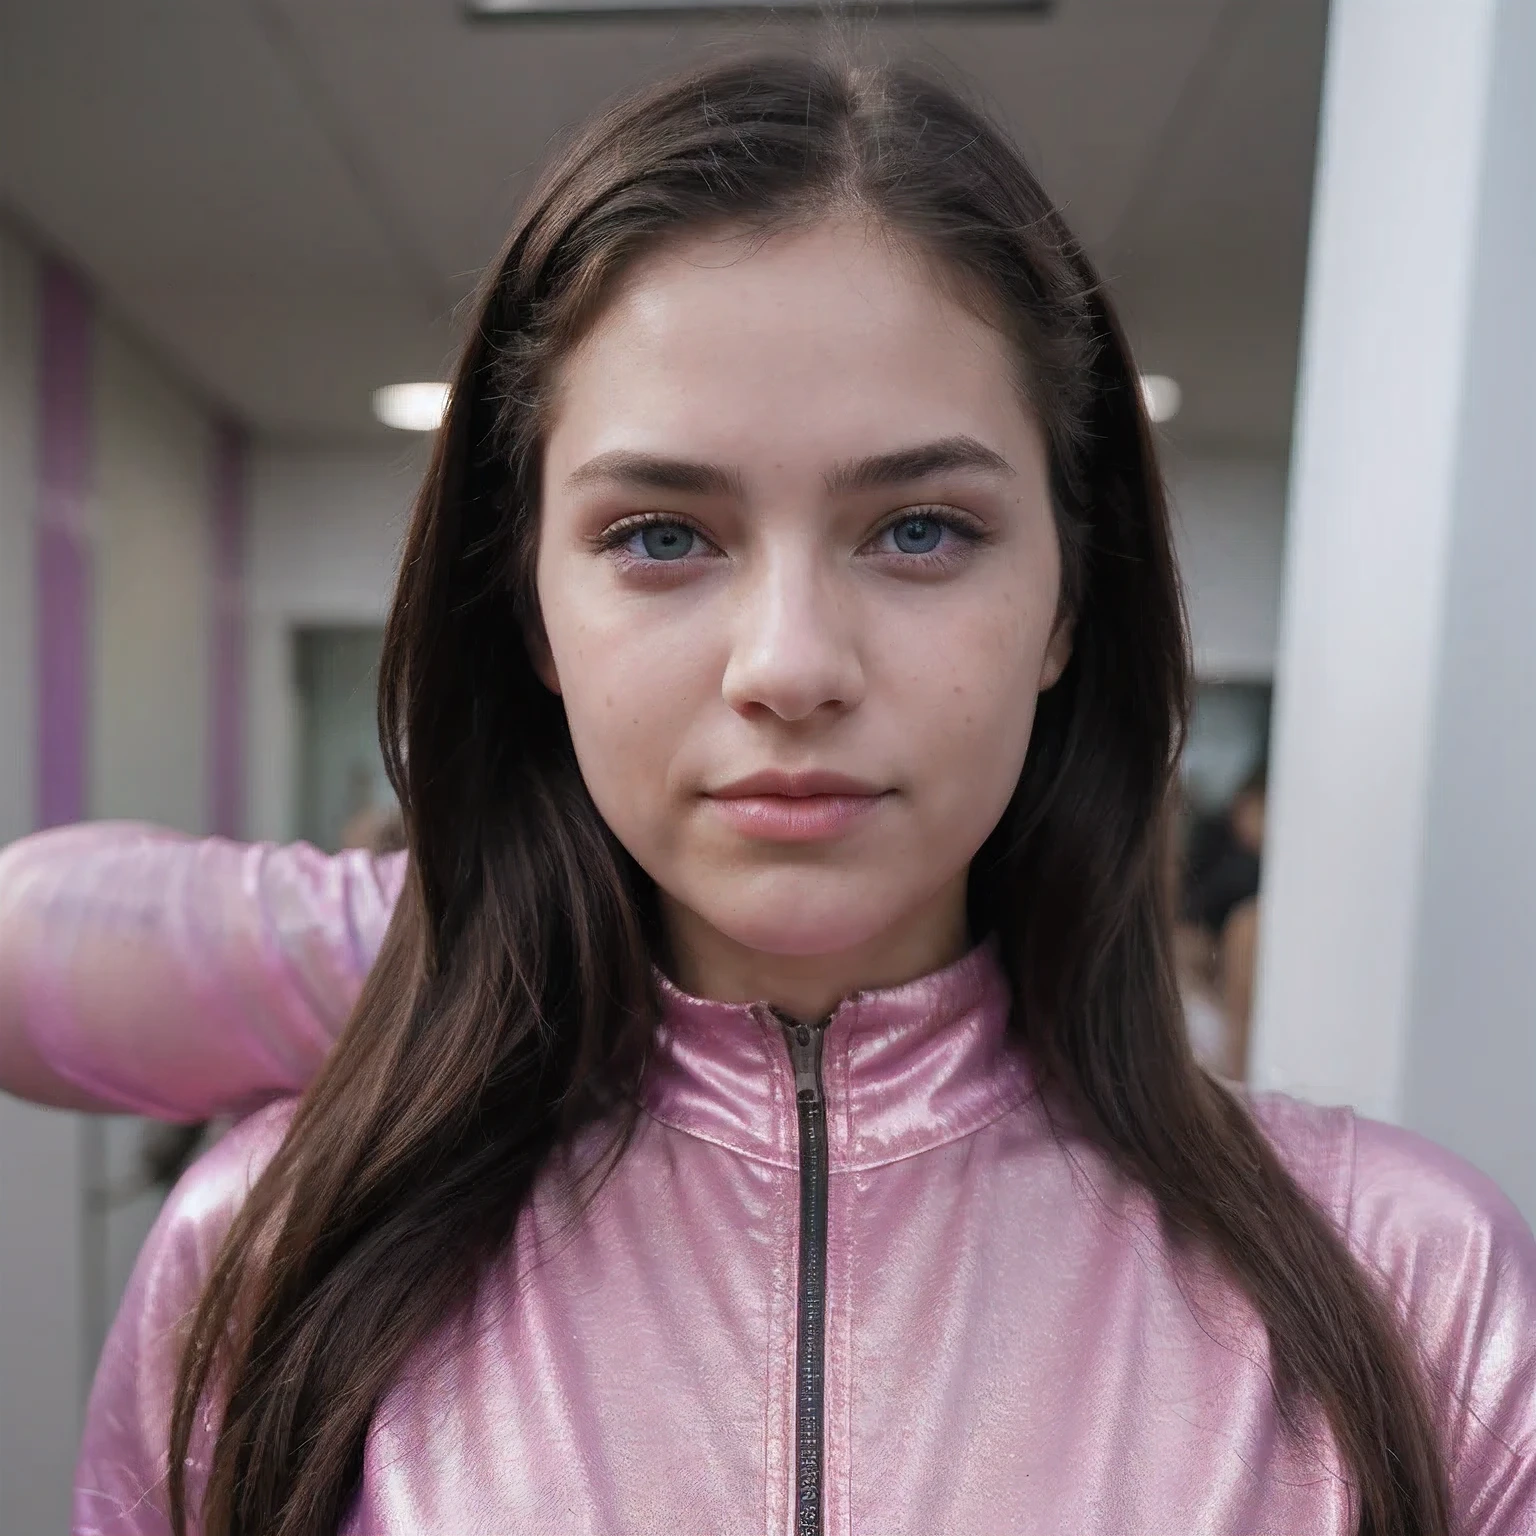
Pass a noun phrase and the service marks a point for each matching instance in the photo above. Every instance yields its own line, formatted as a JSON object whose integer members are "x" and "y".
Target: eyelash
{"x": 613, "y": 539}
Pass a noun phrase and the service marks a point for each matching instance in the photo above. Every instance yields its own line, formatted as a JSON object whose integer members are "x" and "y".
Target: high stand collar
{"x": 904, "y": 1069}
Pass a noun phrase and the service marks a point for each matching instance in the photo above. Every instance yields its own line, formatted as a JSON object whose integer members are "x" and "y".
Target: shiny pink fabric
{"x": 1010, "y": 1345}
{"x": 184, "y": 977}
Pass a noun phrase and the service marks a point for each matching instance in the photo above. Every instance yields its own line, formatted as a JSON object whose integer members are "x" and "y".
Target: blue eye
{"x": 917, "y": 535}
{"x": 663, "y": 541}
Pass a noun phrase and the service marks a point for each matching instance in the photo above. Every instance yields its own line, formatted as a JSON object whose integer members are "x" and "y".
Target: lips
{"x": 806, "y": 807}
{"x": 794, "y": 786}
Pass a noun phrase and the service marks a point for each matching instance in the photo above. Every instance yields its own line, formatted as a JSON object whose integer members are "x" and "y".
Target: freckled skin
{"x": 798, "y": 633}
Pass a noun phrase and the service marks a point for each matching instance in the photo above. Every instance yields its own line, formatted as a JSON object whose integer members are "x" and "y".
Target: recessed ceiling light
{"x": 1162, "y": 395}
{"x": 570, "y": 10}
{"x": 411, "y": 407}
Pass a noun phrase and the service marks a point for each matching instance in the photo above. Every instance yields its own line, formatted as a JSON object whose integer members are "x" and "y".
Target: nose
{"x": 795, "y": 647}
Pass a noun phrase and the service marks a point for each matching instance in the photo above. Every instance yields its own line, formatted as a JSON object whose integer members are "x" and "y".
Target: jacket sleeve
{"x": 1461, "y": 1263}
{"x": 146, "y": 971}
{"x": 120, "y": 1476}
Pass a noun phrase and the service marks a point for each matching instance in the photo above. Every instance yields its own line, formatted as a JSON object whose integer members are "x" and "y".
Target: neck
{"x": 709, "y": 964}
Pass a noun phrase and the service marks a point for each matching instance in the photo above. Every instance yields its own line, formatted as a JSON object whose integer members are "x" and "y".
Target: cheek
{"x": 970, "y": 731}
{"x": 977, "y": 704}
{"x": 975, "y": 762}
{"x": 629, "y": 689}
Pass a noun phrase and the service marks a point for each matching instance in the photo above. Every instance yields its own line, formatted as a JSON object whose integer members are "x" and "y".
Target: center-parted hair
{"x": 512, "y": 1003}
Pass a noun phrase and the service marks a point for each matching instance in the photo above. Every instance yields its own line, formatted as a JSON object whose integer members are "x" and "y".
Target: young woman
{"x": 769, "y": 1109}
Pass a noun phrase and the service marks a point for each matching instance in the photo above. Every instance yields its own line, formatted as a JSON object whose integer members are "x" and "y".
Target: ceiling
{"x": 288, "y": 199}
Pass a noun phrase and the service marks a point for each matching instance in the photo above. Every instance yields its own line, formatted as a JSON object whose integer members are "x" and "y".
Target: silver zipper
{"x": 805, "y": 1046}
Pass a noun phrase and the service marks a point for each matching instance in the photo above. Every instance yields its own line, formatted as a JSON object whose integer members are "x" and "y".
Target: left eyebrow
{"x": 919, "y": 462}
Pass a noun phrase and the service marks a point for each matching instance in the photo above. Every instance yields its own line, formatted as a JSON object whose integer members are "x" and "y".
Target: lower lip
{"x": 795, "y": 818}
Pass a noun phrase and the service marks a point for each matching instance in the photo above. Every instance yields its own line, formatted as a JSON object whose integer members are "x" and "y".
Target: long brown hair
{"x": 512, "y": 1001}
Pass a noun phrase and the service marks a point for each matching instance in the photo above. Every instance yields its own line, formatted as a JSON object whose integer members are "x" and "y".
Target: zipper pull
{"x": 805, "y": 1042}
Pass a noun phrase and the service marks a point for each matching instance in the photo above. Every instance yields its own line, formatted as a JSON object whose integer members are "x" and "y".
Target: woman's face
{"x": 798, "y": 577}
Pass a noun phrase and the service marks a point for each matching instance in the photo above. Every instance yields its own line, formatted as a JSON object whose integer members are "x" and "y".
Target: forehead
{"x": 818, "y": 343}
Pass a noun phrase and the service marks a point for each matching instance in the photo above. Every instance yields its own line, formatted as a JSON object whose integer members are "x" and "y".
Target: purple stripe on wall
{"x": 226, "y": 706}
{"x": 64, "y": 587}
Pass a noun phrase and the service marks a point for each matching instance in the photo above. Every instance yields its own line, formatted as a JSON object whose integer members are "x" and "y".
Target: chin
{"x": 799, "y": 925}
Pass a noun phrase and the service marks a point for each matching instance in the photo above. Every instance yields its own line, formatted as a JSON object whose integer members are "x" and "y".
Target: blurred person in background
{"x": 1217, "y": 933}
{"x": 1194, "y": 963}
{"x": 1224, "y": 854}
{"x": 761, "y": 1097}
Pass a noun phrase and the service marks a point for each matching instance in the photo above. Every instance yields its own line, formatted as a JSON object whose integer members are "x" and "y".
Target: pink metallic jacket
{"x": 859, "y": 1282}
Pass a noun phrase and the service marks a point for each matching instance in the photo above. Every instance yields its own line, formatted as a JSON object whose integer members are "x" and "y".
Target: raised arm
{"x": 179, "y": 977}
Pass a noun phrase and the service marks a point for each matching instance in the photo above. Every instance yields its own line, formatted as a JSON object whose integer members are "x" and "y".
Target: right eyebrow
{"x": 630, "y": 470}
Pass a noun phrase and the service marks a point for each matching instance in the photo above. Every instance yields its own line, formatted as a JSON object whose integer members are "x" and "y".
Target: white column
{"x": 1398, "y": 968}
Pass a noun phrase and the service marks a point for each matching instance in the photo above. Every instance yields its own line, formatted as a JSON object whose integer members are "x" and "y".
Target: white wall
{"x": 1229, "y": 526}
{"x": 150, "y": 704}
{"x": 325, "y": 532}
{"x": 71, "y": 1219}
{"x": 42, "y": 1357}
{"x": 154, "y": 447}
{"x": 17, "y": 494}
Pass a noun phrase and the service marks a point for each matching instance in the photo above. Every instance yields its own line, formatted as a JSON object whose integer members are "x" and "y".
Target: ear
{"x": 540, "y": 654}
{"x": 1058, "y": 652}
